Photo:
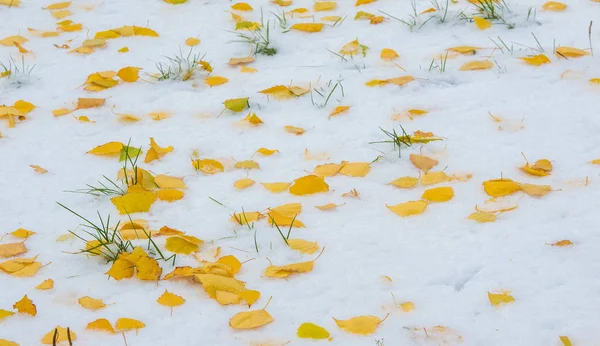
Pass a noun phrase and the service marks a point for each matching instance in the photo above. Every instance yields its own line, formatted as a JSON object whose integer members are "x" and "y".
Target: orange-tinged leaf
{"x": 537, "y": 60}
{"x": 401, "y": 80}
{"x": 5, "y": 313}
{"x": 91, "y": 303}
{"x": 554, "y": 6}
{"x": 38, "y": 169}
{"x": 477, "y": 65}
{"x": 11, "y": 40}
{"x": 388, "y": 54}
{"x": 24, "y": 106}
{"x": 246, "y": 217}
{"x": 338, "y": 110}
{"x": 60, "y": 334}
{"x": 183, "y": 244}
{"x": 439, "y": 194}
{"x": 121, "y": 269}
{"x": 287, "y": 270}
{"x": 101, "y": 324}
{"x": 12, "y": 249}
{"x": 307, "y": 27}
{"x": 361, "y": 325}
{"x": 295, "y": 130}
{"x": 166, "y": 231}
{"x": 570, "y": 52}
{"x": 138, "y": 31}
{"x": 21, "y": 267}
{"x": 422, "y": 162}
{"x": 500, "y": 298}
{"x": 25, "y": 306}
{"x": 246, "y": 164}
{"x": 250, "y": 319}
{"x": 169, "y": 195}
{"x": 536, "y": 190}
{"x": 308, "y": 185}
{"x": 158, "y": 116}
{"x": 58, "y": 6}
{"x": 124, "y": 324}
{"x": 47, "y": 284}
{"x": 267, "y": 152}
{"x": 405, "y": 182}
{"x": 170, "y": 299}
{"x": 363, "y": 2}
{"x": 409, "y": 208}
{"x": 328, "y": 206}
{"x": 241, "y": 6}
{"x": 240, "y": 61}
{"x": 561, "y": 243}
{"x": 86, "y": 103}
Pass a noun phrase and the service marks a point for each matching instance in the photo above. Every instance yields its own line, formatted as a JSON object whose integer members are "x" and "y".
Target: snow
{"x": 441, "y": 261}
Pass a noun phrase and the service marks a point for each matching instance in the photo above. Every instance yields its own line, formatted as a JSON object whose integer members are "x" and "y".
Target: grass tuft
{"x": 178, "y": 67}
{"x": 398, "y": 140}
{"x": 17, "y": 72}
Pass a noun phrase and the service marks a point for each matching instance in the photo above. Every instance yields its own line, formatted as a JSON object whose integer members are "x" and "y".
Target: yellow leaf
{"x": 61, "y": 14}
{"x": 38, "y": 169}
{"x": 565, "y": 340}
{"x": 86, "y": 103}
{"x": 138, "y": 31}
{"x": 500, "y": 298}
{"x": 409, "y": 208}
{"x": 129, "y": 74}
{"x": 363, "y": 2}
{"x": 501, "y": 187}
{"x": 4, "y": 342}
{"x": 227, "y": 298}
{"x": 213, "y": 283}
{"x": 561, "y": 243}
{"x": 284, "y": 220}
{"x": 288, "y": 210}
{"x": 167, "y": 182}
{"x": 324, "y": 5}
{"x": 422, "y": 162}
{"x": 247, "y": 164}
{"x": 249, "y": 216}
{"x": 21, "y": 267}
{"x": 123, "y": 50}
{"x": 407, "y": 306}
{"x": 570, "y": 52}
{"x": 307, "y": 27}
{"x": 192, "y": 41}
{"x": 243, "y": 183}
{"x": 4, "y": 314}
{"x": 214, "y": 81}
{"x": 232, "y": 262}
{"x": 331, "y": 18}
{"x": 237, "y": 105}
{"x": 267, "y": 152}
{"x": 250, "y": 319}
{"x": 308, "y": 185}
{"x": 401, "y": 80}
{"x": 554, "y": 6}
{"x": 128, "y": 118}
{"x": 91, "y": 303}
{"x": 253, "y": 119}
{"x": 388, "y": 54}
{"x": 241, "y": 6}
{"x": 136, "y": 200}
{"x": 282, "y": 2}
{"x": 363, "y": 15}
{"x": 276, "y": 187}
{"x": 250, "y": 296}
{"x": 287, "y": 270}
{"x": 303, "y": 246}
{"x": 429, "y": 10}
{"x": 121, "y": 269}
{"x": 355, "y": 169}
{"x": 595, "y": 80}
{"x": 376, "y": 82}
{"x": 439, "y": 194}
{"x": 169, "y": 195}
{"x": 22, "y": 233}
{"x": 170, "y": 299}
{"x": 11, "y": 40}
{"x": 309, "y": 330}
{"x": 477, "y": 65}
{"x": 24, "y": 106}
{"x": 25, "y": 306}
{"x": 240, "y": 61}
{"x": 482, "y": 217}
{"x": 159, "y": 115}
{"x": 70, "y": 27}
{"x": 537, "y": 60}
{"x": 361, "y": 325}
{"x": 124, "y": 324}
{"x": 295, "y": 130}
{"x": 405, "y": 182}
{"x": 328, "y": 169}
{"x": 58, "y": 6}
{"x": 59, "y": 334}
{"x": 482, "y": 23}
{"x": 431, "y": 178}
{"x": 183, "y": 244}
{"x": 12, "y": 249}
{"x": 298, "y": 91}
{"x": 338, "y": 110}
{"x": 208, "y": 166}
{"x": 101, "y": 324}
{"x": 329, "y": 206}
{"x": 536, "y": 190}
{"x": 245, "y": 69}
{"x": 45, "y": 285}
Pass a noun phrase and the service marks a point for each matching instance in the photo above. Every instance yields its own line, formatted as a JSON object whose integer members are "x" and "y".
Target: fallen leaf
{"x": 250, "y": 319}
{"x": 439, "y": 194}
{"x": 21, "y": 267}
{"x": 183, "y": 244}
{"x": 121, "y": 269}
{"x": 91, "y": 303}
{"x": 308, "y": 185}
{"x": 565, "y": 340}
{"x": 307, "y": 27}
{"x": 101, "y": 324}
{"x": 136, "y": 200}
{"x": 482, "y": 217}
{"x": 276, "y": 187}
{"x": 38, "y": 169}
{"x": 329, "y": 206}
{"x": 4, "y": 314}
{"x": 570, "y": 52}
{"x": 561, "y": 243}
{"x": 25, "y": 306}
{"x": 536, "y": 190}
{"x": 388, "y": 54}
{"x": 12, "y": 249}
{"x": 215, "y": 80}
{"x": 309, "y": 330}
{"x": 47, "y": 284}
{"x": 110, "y": 148}
{"x": 405, "y": 182}
{"x": 554, "y": 6}
{"x": 295, "y": 130}
{"x": 422, "y": 162}
{"x": 409, "y": 208}
{"x": 58, "y": 335}
{"x": 303, "y": 246}
{"x": 501, "y": 187}
{"x": 339, "y": 110}
{"x": 124, "y": 324}
{"x": 361, "y": 325}
{"x": 482, "y": 23}
{"x": 500, "y": 298}
{"x": 477, "y": 65}
{"x": 170, "y": 299}
{"x": 208, "y": 166}
{"x": 536, "y": 60}
{"x": 86, "y": 103}
{"x": 237, "y": 105}
{"x": 243, "y": 183}
{"x": 355, "y": 169}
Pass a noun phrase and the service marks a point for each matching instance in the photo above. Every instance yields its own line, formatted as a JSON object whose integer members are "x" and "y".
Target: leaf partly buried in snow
{"x": 361, "y": 325}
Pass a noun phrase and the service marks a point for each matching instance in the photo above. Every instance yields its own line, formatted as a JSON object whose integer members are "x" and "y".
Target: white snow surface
{"x": 441, "y": 261}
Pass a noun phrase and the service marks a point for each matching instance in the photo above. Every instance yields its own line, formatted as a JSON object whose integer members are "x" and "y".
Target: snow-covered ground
{"x": 373, "y": 259}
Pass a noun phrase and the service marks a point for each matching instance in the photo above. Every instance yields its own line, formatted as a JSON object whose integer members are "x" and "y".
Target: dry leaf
{"x": 409, "y": 208}
{"x": 59, "y": 334}
{"x": 250, "y": 319}
{"x": 25, "y": 306}
{"x": 422, "y": 162}
{"x": 12, "y": 249}
{"x": 91, "y": 303}
{"x": 101, "y": 324}
{"x": 500, "y": 298}
{"x": 361, "y": 325}
{"x": 45, "y": 285}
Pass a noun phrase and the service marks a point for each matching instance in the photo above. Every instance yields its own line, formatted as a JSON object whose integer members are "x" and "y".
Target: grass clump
{"x": 397, "y": 139}
{"x": 179, "y": 66}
